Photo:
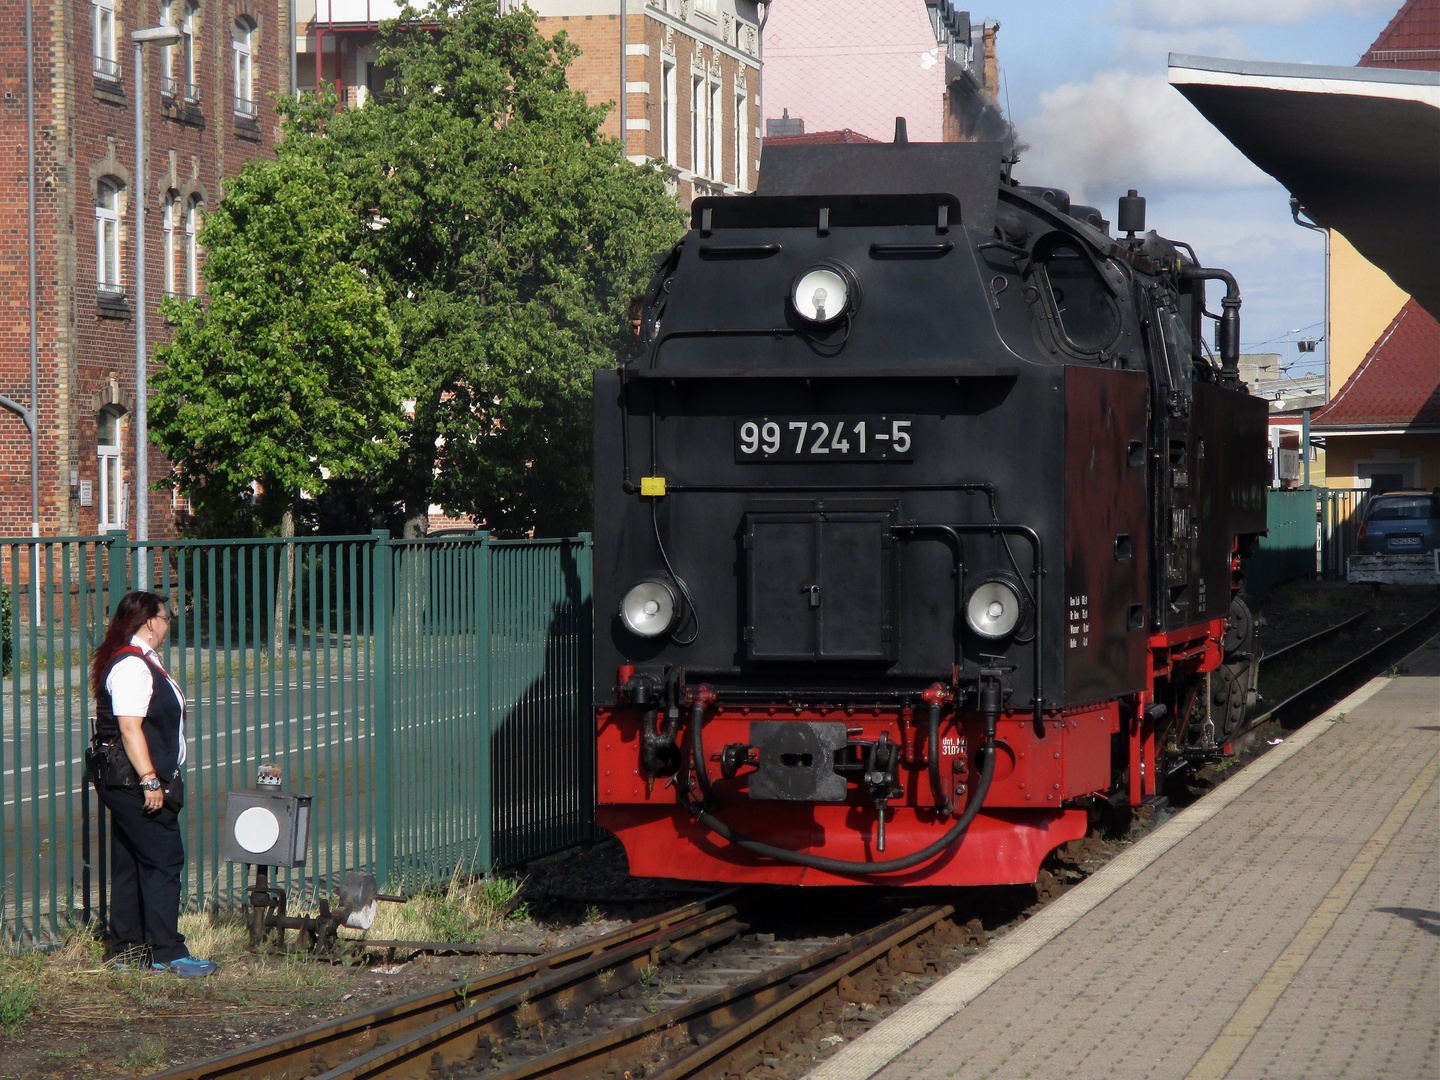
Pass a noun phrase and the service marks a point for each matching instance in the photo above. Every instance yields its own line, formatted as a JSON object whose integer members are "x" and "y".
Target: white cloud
{"x": 1185, "y": 13}
{"x": 1124, "y": 130}
{"x": 1147, "y": 49}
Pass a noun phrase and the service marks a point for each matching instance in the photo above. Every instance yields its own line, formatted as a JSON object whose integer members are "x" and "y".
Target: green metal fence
{"x": 432, "y": 696}
{"x": 1312, "y": 532}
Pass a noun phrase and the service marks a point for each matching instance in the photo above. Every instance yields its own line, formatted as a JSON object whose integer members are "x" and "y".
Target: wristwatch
{"x": 153, "y": 784}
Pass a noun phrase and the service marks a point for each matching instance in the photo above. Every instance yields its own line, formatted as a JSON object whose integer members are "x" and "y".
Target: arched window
{"x": 107, "y": 64}
{"x": 192, "y": 249}
{"x": 243, "y": 41}
{"x": 170, "y": 226}
{"x": 107, "y": 234}
{"x": 108, "y": 435}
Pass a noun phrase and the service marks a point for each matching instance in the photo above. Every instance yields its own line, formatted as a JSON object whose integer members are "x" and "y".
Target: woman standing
{"x": 140, "y": 724}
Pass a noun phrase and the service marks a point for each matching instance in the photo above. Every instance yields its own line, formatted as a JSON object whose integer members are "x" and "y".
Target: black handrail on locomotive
{"x": 691, "y": 613}
{"x": 991, "y": 695}
{"x": 1037, "y": 573}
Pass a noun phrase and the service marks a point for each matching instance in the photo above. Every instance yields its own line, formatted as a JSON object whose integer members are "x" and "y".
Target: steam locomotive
{"x": 919, "y": 518}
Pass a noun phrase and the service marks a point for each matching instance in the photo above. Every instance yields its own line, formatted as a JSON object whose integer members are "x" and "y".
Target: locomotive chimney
{"x": 900, "y": 136}
{"x": 1132, "y": 214}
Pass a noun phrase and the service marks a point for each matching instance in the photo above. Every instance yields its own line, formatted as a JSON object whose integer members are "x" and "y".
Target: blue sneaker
{"x": 187, "y": 967}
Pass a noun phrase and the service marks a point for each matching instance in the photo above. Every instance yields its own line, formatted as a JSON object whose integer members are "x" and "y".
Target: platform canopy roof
{"x": 1358, "y": 146}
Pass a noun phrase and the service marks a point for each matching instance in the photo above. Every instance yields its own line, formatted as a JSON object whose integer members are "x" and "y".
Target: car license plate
{"x": 829, "y": 438}
{"x": 1404, "y": 541}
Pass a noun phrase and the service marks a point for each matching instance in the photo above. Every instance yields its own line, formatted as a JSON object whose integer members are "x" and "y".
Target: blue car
{"x": 1401, "y": 523}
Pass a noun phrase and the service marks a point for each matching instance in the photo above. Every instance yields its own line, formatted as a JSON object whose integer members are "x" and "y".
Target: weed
{"x": 592, "y": 913}
{"x": 79, "y": 1051}
{"x": 464, "y": 909}
{"x": 19, "y": 991}
{"x": 147, "y": 1056}
{"x": 652, "y": 986}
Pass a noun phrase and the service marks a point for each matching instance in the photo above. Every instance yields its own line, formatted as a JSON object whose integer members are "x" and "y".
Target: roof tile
{"x": 1412, "y": 40}
{"x": 1398, "y": 382}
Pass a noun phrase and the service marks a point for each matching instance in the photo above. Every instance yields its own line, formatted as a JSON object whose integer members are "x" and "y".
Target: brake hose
{"x": 820, "y": 862}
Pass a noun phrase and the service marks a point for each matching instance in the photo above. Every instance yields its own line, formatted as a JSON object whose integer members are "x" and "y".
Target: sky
{"x": 1085, "y": 83}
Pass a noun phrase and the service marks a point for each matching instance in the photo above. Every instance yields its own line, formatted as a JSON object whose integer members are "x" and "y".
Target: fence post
{"x": 382, "y": 607}
{"x": 482, "y": 677}
{"x": 117, "y": 576}
{"x": 586, "y": 674}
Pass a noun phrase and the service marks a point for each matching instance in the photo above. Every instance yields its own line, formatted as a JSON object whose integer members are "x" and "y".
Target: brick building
{"x": 205, "y": 111}
{"x": 691, "y": 70}
{"x": 692, "y": 82}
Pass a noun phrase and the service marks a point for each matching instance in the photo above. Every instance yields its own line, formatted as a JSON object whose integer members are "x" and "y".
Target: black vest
{"x": 161, "y": 726}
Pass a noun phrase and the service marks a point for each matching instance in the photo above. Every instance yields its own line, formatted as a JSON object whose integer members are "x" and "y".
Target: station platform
{"x": 1286, "y": 925}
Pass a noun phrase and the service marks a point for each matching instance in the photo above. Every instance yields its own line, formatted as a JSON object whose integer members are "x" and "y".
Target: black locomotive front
{"x": 907, "y": 482}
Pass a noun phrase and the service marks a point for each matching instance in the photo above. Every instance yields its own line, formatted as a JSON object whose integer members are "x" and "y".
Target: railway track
{"x": 686, "y": 994}
{"x": 691, "y": 926}
{"x": 1335, "y": 683}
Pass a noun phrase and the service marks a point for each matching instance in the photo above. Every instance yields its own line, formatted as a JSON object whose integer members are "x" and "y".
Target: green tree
{"x": 287, "y": 375}
{"x": 508, "y": 235}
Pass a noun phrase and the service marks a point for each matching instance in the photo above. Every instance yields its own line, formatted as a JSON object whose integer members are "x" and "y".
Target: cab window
{"x": 1088, "y": 317}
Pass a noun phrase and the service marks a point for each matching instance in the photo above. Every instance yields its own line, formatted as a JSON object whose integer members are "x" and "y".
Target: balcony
{"x": 107, "y": 68}
{"x": 246, "y": 109}
{"x": 169, "y": 87}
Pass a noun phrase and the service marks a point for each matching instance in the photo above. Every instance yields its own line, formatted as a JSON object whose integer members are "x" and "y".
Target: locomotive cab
{"x": 917, "y": 524}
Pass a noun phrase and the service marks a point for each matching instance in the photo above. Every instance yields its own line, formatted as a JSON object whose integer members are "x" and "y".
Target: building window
{"x": 189, "y": 55}
{"x": 168, "y": 84}
{"x": 667, "y": 112}
{"x": 697, "y": 125}
{"x": 112, "y": 478}
{"x": 706, "y": 7}
{"x": 715, "y": 118}
{"x": 107, "y": 235}
{"x": 107, "y": 66}
{"x": 192, "y": 260}
{"x": 169, "y": 226}
{"x": 243, "y": 42}
{"x": 742, "y": 122}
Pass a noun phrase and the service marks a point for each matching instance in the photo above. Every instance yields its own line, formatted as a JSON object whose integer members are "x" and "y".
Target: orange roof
{"x": 1412, "y": 40}
{"x": 1397, "y": 385}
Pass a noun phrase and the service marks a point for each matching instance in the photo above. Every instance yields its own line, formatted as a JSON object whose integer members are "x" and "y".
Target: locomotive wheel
{"x": 1227, "y": 697}
{"x": 1239, "y": 628}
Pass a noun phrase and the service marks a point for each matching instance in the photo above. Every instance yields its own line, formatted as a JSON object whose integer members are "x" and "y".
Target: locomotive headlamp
{"x": 822, "y": 294}
{"x": 994, "y": 608}
{"x": 650, "y": 608}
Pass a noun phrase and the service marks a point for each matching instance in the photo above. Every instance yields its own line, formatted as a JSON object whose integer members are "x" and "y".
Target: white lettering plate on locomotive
{"x": 829, "y": 438}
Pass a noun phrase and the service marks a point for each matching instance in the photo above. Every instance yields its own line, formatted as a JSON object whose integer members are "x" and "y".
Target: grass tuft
{"x": 464, "y": 909}
{"x": 19, "y": 991}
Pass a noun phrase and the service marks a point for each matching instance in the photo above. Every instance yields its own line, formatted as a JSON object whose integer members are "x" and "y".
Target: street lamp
{"x": 159, "y": 35}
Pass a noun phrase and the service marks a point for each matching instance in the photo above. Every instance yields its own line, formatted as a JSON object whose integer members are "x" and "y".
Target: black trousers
{"x": 147, "y": 856}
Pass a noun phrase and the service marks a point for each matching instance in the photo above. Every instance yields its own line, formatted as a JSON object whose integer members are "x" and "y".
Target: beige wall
{"x": 1363, "y": 301}
{"x": 1343, "y": 451}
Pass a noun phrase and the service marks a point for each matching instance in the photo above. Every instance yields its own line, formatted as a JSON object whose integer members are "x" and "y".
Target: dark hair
{"x": 134, "y": 611}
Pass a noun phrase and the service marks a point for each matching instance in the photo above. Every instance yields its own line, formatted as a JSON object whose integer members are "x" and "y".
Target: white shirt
{"x": 131, "y": 686}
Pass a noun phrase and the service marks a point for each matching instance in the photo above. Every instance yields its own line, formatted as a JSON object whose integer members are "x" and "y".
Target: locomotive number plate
{"x": 831, "y": 438}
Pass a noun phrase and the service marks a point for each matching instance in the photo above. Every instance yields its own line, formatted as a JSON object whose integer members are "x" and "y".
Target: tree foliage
{"x": 287, "y": 376}
{"x": 508, "y": 236}
{"x": 467, "y": 241}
